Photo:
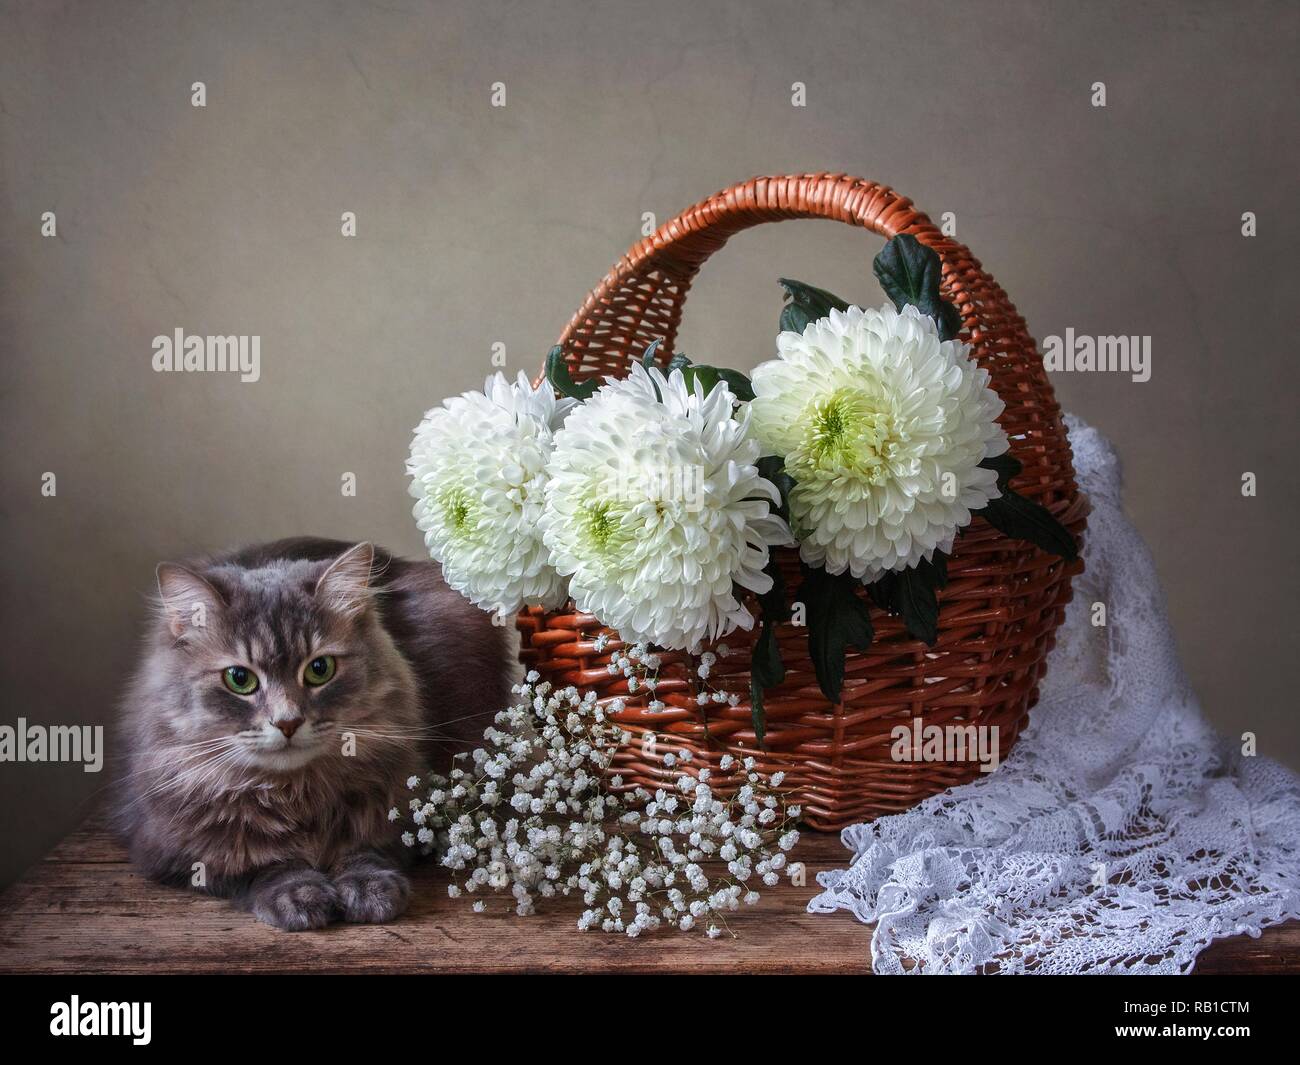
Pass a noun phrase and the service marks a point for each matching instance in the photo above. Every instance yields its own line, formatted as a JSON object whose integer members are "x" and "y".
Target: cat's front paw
{"x": 371, "y": 891}
{"x": 296, "y": 899}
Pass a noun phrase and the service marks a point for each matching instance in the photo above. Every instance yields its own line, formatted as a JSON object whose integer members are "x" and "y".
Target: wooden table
{"x": 83, "y": 909}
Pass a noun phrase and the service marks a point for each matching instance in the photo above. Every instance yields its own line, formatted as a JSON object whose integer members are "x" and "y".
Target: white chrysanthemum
{"x": 883, "y": 428}
{"x": 478, "y": 474}
{"x": 656, "y": 510}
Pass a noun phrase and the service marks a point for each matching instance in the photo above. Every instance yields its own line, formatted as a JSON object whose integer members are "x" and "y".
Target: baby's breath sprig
{"x": 539, "y": 816}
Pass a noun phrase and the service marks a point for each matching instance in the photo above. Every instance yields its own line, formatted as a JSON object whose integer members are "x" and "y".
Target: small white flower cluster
{"x": 538, "y": 816}
{"x": 640, "y": 667}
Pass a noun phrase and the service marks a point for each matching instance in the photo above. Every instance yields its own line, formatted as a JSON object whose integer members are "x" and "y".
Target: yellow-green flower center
{"x": 456, "y": 510}
{"x": 848, "y": 431}
{"x": 599, "y": 524}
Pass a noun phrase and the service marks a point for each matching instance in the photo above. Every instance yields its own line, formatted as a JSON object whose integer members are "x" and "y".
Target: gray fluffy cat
{"x": 287, "y": 692}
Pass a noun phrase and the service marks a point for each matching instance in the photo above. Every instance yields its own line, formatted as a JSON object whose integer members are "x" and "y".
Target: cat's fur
{"x": 295, "y": 827}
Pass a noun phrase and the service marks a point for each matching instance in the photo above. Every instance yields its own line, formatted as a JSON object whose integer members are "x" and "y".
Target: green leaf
{"x": 806, "y": 304}
{"x": 1006, "y": 467}
{"x": 1023, "y": 519}
{"x": 772, "y": 602}
{"x": 557, "y": 372}
{"x": 910, "y": 273}
{"x": 765, "y": 661}
{"x": 837, "y": 619}
{"x": 939, "y": 565}
{"x": 741, "y": 386}
{"x": 757, "y": 712}
{"x": 881, "y": 591}
{"x": 709, "y": 376}
{"x": 914, "y": 594}
{"x": 648, "y": 359}
{"x": 884, "y": 590}
{"x": 794, "y": 319}
{"x": 948, "y": 320}
{"x": 766, "y": 669}
{"x": 772, "y": 468}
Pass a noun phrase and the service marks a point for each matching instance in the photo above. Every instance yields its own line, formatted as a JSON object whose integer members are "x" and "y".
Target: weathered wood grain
{"x": 83, "y": 909}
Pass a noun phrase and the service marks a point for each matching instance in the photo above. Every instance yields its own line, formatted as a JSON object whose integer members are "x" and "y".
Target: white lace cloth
{"x": 1117, "y": 774}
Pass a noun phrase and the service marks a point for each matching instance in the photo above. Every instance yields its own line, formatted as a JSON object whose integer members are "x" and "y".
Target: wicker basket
{"x": 999, "y": 612}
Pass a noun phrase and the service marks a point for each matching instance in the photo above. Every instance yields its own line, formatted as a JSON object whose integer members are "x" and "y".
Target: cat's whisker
{"x": 387, "y": 735}
{"x": 207, "y": 742}
{"x": 160, "y": 760}
{"x": 398, "y": 739}
{"x": 440, "y": 727}
{"x": 167, "y": 757}
{"x": 195, "y": 780}
{"x": 361, "y": 731}
{"x": 211, "y": 741}
{"x": 470, "y": 717}
{"x": 177, "y": 780}
{"x": 395, "y": 736}
{"x": 205, "y": 775}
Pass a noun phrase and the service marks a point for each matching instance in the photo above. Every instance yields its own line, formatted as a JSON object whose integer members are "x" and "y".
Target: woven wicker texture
{"x": 1004, "y": 598}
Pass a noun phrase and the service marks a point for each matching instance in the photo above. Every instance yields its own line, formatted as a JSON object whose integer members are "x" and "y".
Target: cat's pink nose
{"x": 288, "y": 726}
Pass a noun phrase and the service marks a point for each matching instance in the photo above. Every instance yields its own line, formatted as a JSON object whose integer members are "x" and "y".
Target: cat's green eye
{"x": 239, "y": 680}
{"x": 320, "y": 670}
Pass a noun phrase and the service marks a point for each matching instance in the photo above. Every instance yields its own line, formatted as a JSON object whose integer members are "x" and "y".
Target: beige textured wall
{"x": 479, "y": 225}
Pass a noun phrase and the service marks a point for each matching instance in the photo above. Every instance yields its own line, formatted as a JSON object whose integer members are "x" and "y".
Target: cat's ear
{"x": 188, "y": 600}
{"x": 345, "y": 586}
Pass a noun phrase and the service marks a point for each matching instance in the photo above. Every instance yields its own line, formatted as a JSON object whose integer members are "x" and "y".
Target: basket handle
{"x": 684, "y": 243}
{"x": 641, "y": 298}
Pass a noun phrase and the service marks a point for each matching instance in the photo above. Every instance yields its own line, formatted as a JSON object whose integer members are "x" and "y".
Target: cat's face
{"x": 277, "y": 663}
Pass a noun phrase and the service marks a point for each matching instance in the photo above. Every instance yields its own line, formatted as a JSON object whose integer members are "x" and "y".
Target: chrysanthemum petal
{"x": 656, "y": 512}
{"x": 883, "y": 427}
{"x": 478, "y": 473}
